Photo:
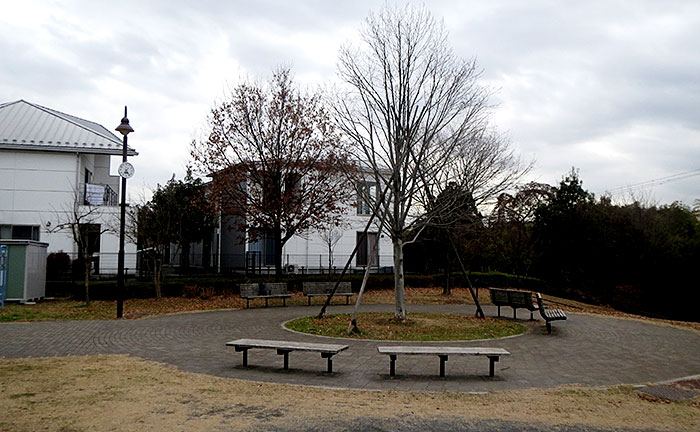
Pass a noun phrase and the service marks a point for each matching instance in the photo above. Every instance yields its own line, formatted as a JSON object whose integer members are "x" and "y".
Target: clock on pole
{"x": 126, "y": 170}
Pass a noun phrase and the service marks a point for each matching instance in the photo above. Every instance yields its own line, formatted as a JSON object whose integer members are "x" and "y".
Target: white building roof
{"x": 27, "y": 126}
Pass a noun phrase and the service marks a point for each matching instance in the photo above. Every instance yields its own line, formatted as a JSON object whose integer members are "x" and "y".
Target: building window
{"x": 366, "y": 197}
{"x": 366, "y": 245}
{"x": 20, "y": 232}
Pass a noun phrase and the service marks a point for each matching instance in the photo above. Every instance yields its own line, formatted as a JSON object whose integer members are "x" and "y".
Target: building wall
{"x": 34, "y": 185}
{"x": 39, "y": 188}
{"x": 311, "y": 252}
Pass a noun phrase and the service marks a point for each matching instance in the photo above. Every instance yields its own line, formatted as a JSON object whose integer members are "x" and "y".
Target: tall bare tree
{"x": 419, "y": 120}
{"x": 275, "y": 161}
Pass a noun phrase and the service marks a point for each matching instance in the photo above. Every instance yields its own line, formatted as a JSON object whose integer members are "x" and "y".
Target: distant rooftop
{"x": 27, "y": 126}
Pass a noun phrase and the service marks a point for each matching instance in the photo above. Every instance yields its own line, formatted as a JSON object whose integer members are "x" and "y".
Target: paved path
{"x": 588, "y": 350}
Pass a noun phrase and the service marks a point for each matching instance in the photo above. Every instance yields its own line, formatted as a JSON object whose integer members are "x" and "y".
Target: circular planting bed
{"x": 416, "y": 327}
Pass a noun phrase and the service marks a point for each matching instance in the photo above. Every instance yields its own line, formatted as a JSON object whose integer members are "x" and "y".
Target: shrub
{"x": 58, "y": 265}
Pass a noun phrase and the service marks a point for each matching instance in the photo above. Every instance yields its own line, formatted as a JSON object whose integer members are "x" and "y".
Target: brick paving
{"x": 587, "y": 350}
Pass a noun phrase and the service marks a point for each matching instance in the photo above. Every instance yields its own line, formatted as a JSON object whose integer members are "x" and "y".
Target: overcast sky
{"x": 611, "y": 88}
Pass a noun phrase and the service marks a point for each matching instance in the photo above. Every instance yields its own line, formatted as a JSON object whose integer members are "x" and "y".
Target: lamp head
{"x": 124, "y": 127}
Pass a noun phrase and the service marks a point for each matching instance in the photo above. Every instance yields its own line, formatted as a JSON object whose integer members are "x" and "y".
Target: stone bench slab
{"x": 441, "y": 351}
{"x": 285, "y": 347}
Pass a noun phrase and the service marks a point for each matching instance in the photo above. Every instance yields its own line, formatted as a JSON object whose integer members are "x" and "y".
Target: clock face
{"x": 126, "y": 170}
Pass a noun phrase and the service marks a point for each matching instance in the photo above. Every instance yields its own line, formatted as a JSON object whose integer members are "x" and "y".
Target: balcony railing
{"x": 99, "y": 195}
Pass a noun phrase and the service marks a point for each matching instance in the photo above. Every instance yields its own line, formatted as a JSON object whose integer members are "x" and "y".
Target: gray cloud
{"x": 610, "y": 87}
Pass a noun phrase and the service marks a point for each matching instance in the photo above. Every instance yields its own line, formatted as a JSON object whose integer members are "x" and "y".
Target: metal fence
{"x": 63, "y": 266}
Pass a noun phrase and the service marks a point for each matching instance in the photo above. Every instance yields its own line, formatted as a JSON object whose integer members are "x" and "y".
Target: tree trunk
{"x": 330, "y": 260}
{"x": 278, "y": 252}
{"x": 157, "y": 275}
{"x": 447, "y": 289}
{"x": 87, "y": 281}
{"x": 400, "y": 312}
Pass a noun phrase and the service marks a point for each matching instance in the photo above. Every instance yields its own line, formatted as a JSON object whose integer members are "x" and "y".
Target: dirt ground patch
{"x": 124, "y": 393}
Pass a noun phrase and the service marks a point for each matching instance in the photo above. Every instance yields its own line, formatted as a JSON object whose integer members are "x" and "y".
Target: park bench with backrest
{"x": 312, "y": 289}
{"x": 549, "y": 314}
{"x": 265, "y": 290}
{"x": 443, "y": 352}
{"x": 284, "y": 348}
{"x": 513, "y": 298}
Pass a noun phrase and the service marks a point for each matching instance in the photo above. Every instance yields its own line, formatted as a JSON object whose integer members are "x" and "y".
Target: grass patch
{"x": 417, "y": 327}
{"x": 65, "y": 310}
{"x": 57, "y": 311}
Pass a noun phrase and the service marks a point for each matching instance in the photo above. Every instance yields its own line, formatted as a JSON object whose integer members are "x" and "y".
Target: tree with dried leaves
{"x": 276, "y": 161}
{"x": 419, "y": 120}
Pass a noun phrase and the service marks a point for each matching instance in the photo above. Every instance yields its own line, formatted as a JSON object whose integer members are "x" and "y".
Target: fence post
{"x": 3, "y": 272}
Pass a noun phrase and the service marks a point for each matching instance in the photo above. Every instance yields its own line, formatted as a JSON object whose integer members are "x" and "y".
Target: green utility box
{"x": 25, "y": 270}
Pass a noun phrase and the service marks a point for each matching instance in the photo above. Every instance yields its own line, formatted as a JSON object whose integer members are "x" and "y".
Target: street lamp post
{"x": 126, "y": 170}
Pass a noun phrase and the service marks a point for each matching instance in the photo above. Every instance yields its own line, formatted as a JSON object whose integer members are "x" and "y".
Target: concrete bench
{"x": 312, "y": 289}
{"x": 549, "y": 314}
{"x": 284, "y": 348}
{"x": 266, "y": 290}
{"x": 513, "y": 298}
{"x": 441, "y": 351}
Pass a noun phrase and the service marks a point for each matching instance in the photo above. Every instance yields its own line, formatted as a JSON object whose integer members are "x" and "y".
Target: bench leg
{"x": 499, "y": 311}
{"x": 245, "y": 354}
{"x": 532, "y": 318}
{"x": 265, "y": 301}
{"x": 285, "y": 353}
{"x": 247, "y": 303}
{"x": 492, "y": 361}
{"x": 549, "y": 327}
{"x": 392, "y": 365}
{"x": 443, "y": 359}
{"x": 328, "y": 356}
{"x": 514, "y": 313}
{"x": 347, "y": 300}
{"x": 284, "y": 301}
{"x": 309, "y": 297}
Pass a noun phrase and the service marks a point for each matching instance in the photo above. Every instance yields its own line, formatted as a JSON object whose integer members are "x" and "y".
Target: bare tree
{"x": 275, "y": 161}
{"x": 419, "y": 120}
{"x": 84, "y": 223}
{"x": 331, "y": 234}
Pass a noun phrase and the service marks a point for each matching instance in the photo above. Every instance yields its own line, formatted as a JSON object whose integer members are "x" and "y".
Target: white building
{"x": 307, "y": 252}
{"x": 49, "y": 161}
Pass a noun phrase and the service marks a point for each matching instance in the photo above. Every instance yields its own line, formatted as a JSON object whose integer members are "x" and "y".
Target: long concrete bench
{"x": 513, "y": 298}
{"x": 441, "y": 351}
{"x": 284, "y": 348}
{"x": 266, "y": 290}
{"x": 549, "y": 314}
{"x": 312, "y": 289}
